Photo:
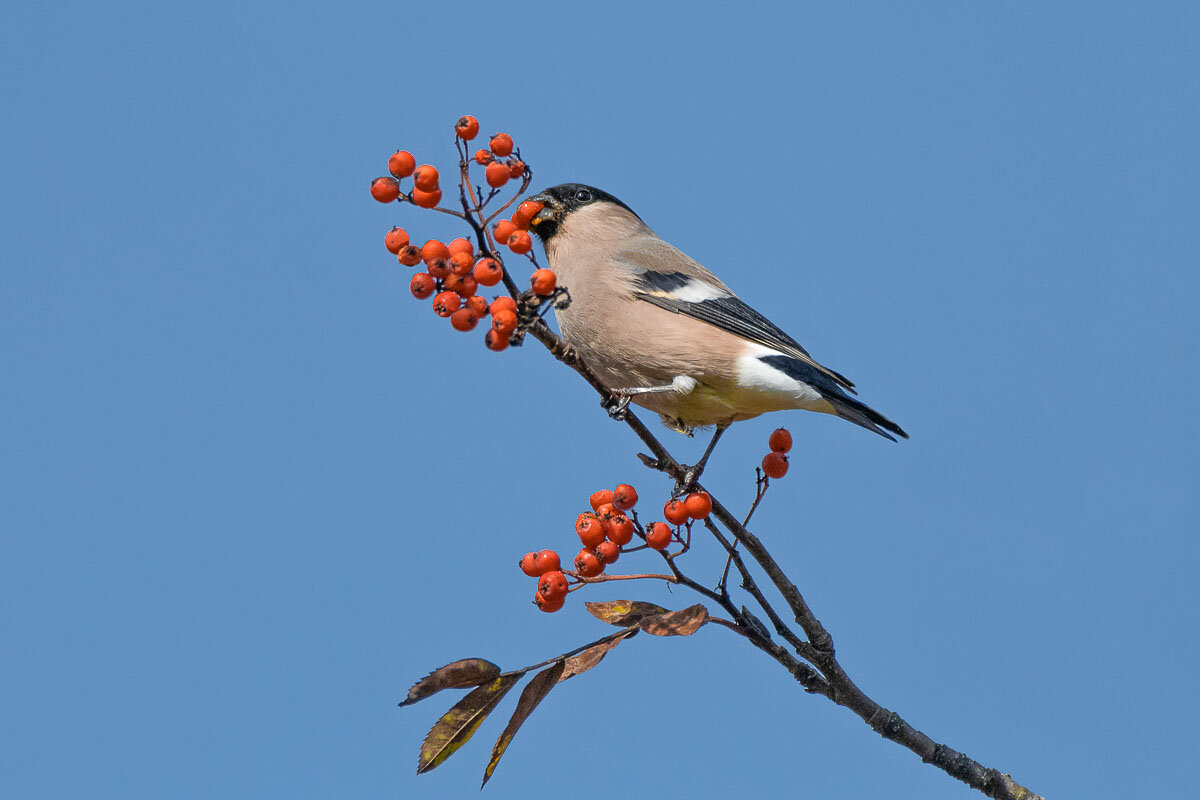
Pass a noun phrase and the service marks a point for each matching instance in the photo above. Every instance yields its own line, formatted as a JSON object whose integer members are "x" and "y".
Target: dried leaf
{"x": 582, "y": 662}
{"x": 459, "y": 675}
{"x": 676, "y": 623}
{"x": 623, "y": 613}
{"x": 459, "y": 724}
{"x": 534, "y": 692}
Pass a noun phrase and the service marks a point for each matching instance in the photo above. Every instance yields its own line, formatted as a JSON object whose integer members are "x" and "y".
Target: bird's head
{"x": 568, "y": 199}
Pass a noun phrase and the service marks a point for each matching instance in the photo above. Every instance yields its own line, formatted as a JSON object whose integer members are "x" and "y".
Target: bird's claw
{"x": 615, "y": 405}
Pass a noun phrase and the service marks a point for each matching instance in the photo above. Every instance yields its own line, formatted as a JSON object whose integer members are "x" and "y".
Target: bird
{"x": 660, "y": 330}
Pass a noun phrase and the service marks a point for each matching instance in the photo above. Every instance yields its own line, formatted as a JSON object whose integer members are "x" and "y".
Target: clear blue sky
{"x": 250, "y": 489}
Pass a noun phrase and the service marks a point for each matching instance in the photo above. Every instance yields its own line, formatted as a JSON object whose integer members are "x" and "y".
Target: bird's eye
{"x": 583, "y": 196}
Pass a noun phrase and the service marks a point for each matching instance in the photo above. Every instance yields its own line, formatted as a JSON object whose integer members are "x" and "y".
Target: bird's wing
{"x": 669, "y": 279}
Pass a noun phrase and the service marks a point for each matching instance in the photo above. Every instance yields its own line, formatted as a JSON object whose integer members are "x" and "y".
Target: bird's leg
{"x": 616, "y": 404}
{"x": 693, "y": 473}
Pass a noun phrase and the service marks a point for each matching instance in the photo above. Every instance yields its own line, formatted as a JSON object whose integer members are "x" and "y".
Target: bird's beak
{"x": 551, "y": 211}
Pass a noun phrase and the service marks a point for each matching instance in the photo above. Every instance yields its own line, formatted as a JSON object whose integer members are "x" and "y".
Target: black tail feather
{"x": 860, "y": 413}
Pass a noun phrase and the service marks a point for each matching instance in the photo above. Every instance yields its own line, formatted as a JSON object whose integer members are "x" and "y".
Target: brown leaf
{"x": 582, "y": 662}
{"x": 623, "y": 613}
{"x": 459, "y": 724}
{"x": 676, "y": 623}
{"x": 459, "y": 675}
{"x": 535, "y": 691}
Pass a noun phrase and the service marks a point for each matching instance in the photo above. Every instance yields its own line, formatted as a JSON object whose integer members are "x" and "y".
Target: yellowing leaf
{"x": 623, "y": 613}
{"x": 459, "y": 724}
{"x": 459, "y": 675}
{"x": 533, "y": 694}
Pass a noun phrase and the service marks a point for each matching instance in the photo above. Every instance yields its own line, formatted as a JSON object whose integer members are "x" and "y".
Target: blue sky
{"x": 251, "y": 489}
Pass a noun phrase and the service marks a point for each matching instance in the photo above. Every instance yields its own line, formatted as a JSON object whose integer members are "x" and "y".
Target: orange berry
{"x": 600, "y": 498}
{"x": 504, "y": 229}
{"x": 465, "y": 319}
{"x": 466, "y": 128}
{"x": 547, "y": 561}
{"x": 385, "y": 190}
{"x": 438, "y": 268}
{"x": 698, "y": 505}
{"x": 675, "y": 512}
{"x": 504, "y": 303}
{"x": 624, "y": 497}
{"x": 495, "y": 341}
{"x": 462, "y": 285}
{"x": 421, "y": 285}
{"x": 605, "y": 510}
{"x": 434, "y": 249}
{"x": 542, "y": 281}
{"x": 461, "y": 245}
{"x": 619, "y": 529}
{"x": 426, "y": 199}
{"x": 588, "y": 564}
{"x": 483, "y": 157}
{"x": 552, "y": 585}
{"x": 528, "y": 565}
{"x": 521, "y": 243}
{"x": 426, "y": 178}
{"x": 487, "y": 272}
{"x": 549, "y": 606}
{"x": 608, "y": 552}
{"x": 504, "y": 322}
{"x": 462, "y": 263}
{"x": 409, "y": 255}
{"x": 775, "y": 465}
{"x": 780, "y": 441}
{"x": 590, "y": 529}
{"x": 526, "y": 212}
{"x": 401, "y": 164}
{"x": 395, "y": 239}
{"x": 446, "y": 303}
{"x": 516, "y": 168}
{"x": 501, "y": 144}
{"x": 478, "y": 304}
{"x": 658, "y": 535}
{"x": 496, "y": 174}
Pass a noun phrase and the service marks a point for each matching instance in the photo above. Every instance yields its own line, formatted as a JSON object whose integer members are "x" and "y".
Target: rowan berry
{"x": 496, "y": 174}
{"x": 542, "y": 281}
{"x": 521, "y": 243}
{"x": 487, "y": 272}
{"x": 467, "y": 127}
{"x": 409, "y": 255}
{"x": 526, "y": 212}
{"x": 434, "y": 248}
{"x": 624, "y": 497}
{"x": 590, "y": 530}
{"x": 446, "y": 303}
{"x": 401, "y": 164}
{"x": 698, "y": 505}
{"x": 495, "y": 341}
{"x": 504, "y": 229}
{"x": 421, "y": 285}
{"x": 426, "y": 178}
{"x": 465, "y": 319}
{"x": 658, "y": 535}
{"x": 426, "y": 199}
{"x": 462, "y": 263}
{"x": 605, "y": 510}
{"x": 619, "y": 529}
{"x": 438, "y": 268}
{"x": 504, "y": 303}
{"x": 483, "y": 157}
{"x": 587, "y": 564}
{"x": 600, "y": 498}
{"x": 549, "y": 606}
{"x": 552, "y": 585}
{"x": 478, "y": 304}
{"x": 504, "y": 322}
{"x": 528, "y": 565}
{"x": 463, "y": 286}
{"x": 775, "y": 465}
{"x": 675, "y": 512}
{"x": 461, "y": 245}
{"x": 385, "y": 190}
{"x": 547, "y": 561}
{"x": 608, "y": 552}
{"x": 395, "y": 239}
{"x": 780, "y": 441}
{"x": 501, "y": 144}
{"x": 516, "y": 168}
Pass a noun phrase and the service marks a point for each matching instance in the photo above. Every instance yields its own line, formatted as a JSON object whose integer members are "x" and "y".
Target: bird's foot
{"x": 616, "y": 405}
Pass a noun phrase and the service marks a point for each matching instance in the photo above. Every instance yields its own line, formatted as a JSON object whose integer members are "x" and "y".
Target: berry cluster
{"x": 605, "y": 532}
{"x": 455, "y": 271}
{"x": 775, "y": 463}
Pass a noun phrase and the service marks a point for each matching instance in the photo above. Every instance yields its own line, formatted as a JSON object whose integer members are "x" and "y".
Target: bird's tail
{"x": 861, "y": 414}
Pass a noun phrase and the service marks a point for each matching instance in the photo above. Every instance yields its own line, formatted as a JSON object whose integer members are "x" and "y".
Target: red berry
{"x": 421, "y": 285}
{"x": 775, "y": 465}
{"x": 461, "y": 245}
{"x": 698, "y": 505}
{"x": 658, "y": 535}
{"x": 600, "y": 498}
{"x": 462, "y": 285}
{"x": 590, "y": 529}
{"x": 462, "y": 263}
{"x": 426, "y": 178}
{"x": 624, "y": 497}
{"x": 496, "y": 174}
{"x": 588, "y": 564}
{"x": 542, "y": 281}
{"x": 521, "y": 243}
{"x": 504, "y": 322}
{"x": 547, "y": 561}
{"x": 401, "y": 164}
{"x": 426, "y": 199}
{"x": 466, "y": 127}
{"x": 465, "y": 319}
{"x": 675, "y": 512}
{"x": 552, "y": 585}
{"x": 438, "y": 268}
{"x": 478, "y": 304}
{"x": 501, "y": 144}
{"x": 780, "y": 441}
{"x": 528, "y": 564}
{"x": 433, "y": 249}
{"x": 504, "y": 303}
{"x": 446, "y": 303}
{"x": 483, "y": 157}
{"x": 608, "y": 552}
{"x": 409, "y": 255}
{"x": 495, "y": 341}
{"x": 487, "y": 272}
{"x": 516, "y": 168}
{"x": 619, "y": 529}
{"x": 549, "y": 606}
{"x": 385, "y": 190}
{"x": 605, "y": 510}
{"x": 395, "y": 239}
{"x": 504, "y": 229}
{"x": 526, "y": 212}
